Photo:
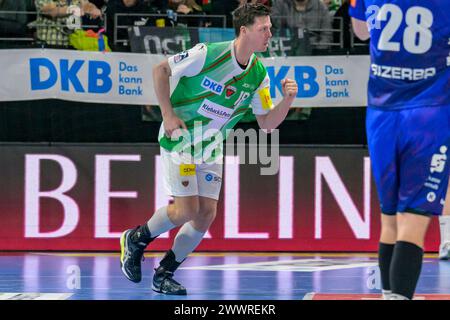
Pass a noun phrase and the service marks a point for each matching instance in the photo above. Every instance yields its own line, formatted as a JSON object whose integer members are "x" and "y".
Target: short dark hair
{"x": 245, "y": 15}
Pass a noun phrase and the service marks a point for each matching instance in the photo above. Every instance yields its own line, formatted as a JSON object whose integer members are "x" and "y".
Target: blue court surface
{"x": 210, "y": 276}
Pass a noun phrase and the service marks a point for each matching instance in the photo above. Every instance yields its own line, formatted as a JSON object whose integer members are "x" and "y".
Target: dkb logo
{"x": 44, "y": 75}
{"x": 305, "y": 76}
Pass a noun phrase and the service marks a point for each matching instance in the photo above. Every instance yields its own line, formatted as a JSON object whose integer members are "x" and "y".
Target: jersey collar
{"x": 235, "y": 63}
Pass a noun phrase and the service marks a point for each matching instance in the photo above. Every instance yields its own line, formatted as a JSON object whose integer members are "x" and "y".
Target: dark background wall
{"x": 65, "y": 121}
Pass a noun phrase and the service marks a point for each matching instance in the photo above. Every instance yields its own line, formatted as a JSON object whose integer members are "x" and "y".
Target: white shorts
{"x": 182, "y": 179}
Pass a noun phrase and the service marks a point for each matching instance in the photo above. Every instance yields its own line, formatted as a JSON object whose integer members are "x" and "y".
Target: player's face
{"x": 259, "y": 34}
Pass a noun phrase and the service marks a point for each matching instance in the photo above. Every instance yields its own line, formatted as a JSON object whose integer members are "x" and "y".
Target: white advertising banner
{"x": 323, "y": 81}
{"x": 98, "y": 77}
{"x": 126, "y": 78}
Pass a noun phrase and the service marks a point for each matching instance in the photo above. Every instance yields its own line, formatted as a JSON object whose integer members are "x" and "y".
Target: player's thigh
{"x": 207, "y": 206}
{"x": 187, "y": 207}
{"x": 209, "y": 180}
{"x": 180, "y": 176}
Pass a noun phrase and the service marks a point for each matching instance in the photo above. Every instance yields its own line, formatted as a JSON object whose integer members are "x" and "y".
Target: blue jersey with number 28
{"x": 410, "y": 52}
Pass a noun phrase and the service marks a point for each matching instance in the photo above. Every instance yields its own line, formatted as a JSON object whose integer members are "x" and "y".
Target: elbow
{"x": 161, "y": 70}
{"x": 360, "y": 29}
{"x": 156, "y": 71}
{"x": 362, "y": 35}
{"x": 266, "y": 128}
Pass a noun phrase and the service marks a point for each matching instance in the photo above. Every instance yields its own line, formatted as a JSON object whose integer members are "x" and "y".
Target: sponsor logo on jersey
{"x": 181, "y": 56}
{"x": 229, "y": 91}
{"x": 187, "y": 170}
{"x": 185, "y": 183}
{"x": 266, "y": 101}
{"x": 438, "y": 160}
{"x": 214, "y": 111}
{"x": 212, "y": 85}
{"x": 398, "y": 73}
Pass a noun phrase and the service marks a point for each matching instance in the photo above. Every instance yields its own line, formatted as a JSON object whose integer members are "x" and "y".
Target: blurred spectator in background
{"x": 114, "y": 7}
{"x": 345, "y": 26}
{"x": 344, "y": 23}
{"x": 183, "y": 8}
{"x": 332, "y": 5}
{"x": 30, "y": 7}
{"x": 267, "y": 3}
{"x": 159, "y": 6}
{"x": 95, "y": 24}
{"x": 53, "y": 26}
{"x": 311, "y": 15}
{"x": 13, "y": 24}
{"x": 99, "y": 3}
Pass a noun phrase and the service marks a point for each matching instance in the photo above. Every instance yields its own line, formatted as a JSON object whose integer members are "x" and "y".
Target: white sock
{"x": 396, "y": 296}
{"x": 159, "y": 222}
{"x": 186, "y": 240}
{"x": 444, "y": 226}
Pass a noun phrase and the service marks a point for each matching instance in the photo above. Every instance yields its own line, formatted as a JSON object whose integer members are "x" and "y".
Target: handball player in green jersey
{"x": 213, "y": 85}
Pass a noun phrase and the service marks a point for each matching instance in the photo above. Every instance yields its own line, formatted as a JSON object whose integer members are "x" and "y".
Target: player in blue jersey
{"x": 408, "y": 126}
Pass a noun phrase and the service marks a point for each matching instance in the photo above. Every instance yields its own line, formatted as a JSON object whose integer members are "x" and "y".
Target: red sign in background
{"x": 81, "y": 197}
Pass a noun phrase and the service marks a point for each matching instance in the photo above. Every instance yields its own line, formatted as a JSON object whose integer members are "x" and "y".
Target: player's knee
{"x": 389, "y": 229}
{"x": 207, "y": 214}
{"x": 187, "y": 212}
{"x": 204, "y": 219}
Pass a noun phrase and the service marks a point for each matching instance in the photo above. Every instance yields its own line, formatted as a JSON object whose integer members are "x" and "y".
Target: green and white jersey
{"x": 212, "y": 93}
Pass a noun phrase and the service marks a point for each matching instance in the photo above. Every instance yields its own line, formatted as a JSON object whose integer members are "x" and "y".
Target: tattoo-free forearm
{"x": 276, "y": 116}
{"x": 161, "y": 74}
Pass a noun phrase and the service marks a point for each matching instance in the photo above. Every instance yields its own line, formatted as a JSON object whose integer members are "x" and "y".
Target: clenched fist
{"x": 289, "y": 88}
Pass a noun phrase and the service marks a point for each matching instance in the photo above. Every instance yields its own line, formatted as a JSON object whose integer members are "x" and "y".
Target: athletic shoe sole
{"x": 182, "y": 293}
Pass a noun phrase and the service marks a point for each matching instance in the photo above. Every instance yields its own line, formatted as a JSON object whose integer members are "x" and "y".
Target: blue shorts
{"x": 409, "y": 151}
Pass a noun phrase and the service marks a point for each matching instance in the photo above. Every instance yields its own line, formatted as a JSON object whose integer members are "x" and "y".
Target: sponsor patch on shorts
{"x": 213, "y": 178}
{"x": 187, "y": 170}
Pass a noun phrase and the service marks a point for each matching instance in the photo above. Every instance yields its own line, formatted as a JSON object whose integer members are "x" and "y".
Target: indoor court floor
{"x": 209, "y": 276}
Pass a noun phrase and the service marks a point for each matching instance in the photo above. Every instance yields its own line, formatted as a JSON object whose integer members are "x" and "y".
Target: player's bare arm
{"x": 273, "y": 119}
{"x": 360, "y": 29}
{"x": 161, "y": 75}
